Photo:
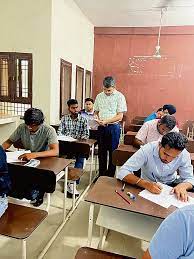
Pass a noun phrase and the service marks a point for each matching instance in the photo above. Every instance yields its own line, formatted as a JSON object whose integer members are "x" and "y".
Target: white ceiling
{"x": 137, "y": 13}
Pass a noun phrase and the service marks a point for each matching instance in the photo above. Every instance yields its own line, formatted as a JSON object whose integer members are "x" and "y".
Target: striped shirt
{"x": 75, "y": 128}
{"x": 109, "y": 105}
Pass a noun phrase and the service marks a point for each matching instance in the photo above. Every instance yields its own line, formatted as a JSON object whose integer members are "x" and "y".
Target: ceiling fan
{"x": 157, "y": 54}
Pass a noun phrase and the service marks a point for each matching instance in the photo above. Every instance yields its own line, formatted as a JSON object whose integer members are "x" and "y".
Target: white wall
{"x": 72, "y": 39}
{"x": 26, "y": 27}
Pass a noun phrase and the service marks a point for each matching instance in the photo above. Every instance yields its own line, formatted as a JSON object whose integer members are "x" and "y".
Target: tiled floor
{"x": 73, "y": 235}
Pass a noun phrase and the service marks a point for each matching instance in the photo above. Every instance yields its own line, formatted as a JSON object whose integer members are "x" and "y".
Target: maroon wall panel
{"x": 151, "y": 83}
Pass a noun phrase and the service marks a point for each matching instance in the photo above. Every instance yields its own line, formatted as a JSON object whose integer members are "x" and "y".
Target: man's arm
{"x": 85, "y": 134}
{"x": 53, "y": 151}
{"x": 118, "y": 117}
{"x": 134, "y": 163}
{"x": 141, "y": 136}
{"x": 138, "y": 143}
{"x": 7, "y": 144}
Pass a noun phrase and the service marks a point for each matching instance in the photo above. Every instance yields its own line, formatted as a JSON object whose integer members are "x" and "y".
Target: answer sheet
{"x": 13, "y": 156}
{"x": 66, "y": 138}
{"x": 165, "y": 198}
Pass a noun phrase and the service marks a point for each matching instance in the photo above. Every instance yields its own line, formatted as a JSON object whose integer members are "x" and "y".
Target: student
{"x": 154, "y": 130}
{"x": 36, "y": 136}
{"x": 109, "y": 107}
{"x": 167, "y": 109}
{"x": 75, "y": 126}
{"x": 160, "y": 162}
{"x": 88, "y": 113}
{"x": 174, "y": 238}
{"x": 155, "y": 115}
{"x": 5, "y": 181}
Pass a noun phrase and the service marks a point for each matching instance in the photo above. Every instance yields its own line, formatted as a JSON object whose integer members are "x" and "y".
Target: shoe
{"x": 70, "y": 190}
{"x": 37, "y": 202}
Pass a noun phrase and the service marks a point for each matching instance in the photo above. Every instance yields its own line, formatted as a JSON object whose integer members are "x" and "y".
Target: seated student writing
{"x": 75, "y": 126}
{"x": 36, "y": 136}
{"x": 155, "y": 129}
{"x": 160, "y": 162}
{"x": 174, "y": 238}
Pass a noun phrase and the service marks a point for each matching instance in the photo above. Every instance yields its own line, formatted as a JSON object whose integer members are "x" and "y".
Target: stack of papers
{"x": 13, "y": 156}
{"x": 66, "y": 138}
{"x": 165, "y": 199}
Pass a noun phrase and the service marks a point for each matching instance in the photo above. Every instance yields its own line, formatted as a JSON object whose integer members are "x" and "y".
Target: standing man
{"x": 75, "y": 126}
{"x": 109, "y": 107}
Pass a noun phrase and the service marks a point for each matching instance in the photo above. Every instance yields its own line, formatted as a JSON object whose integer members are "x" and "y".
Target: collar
{"x": 114, "y": 92}
{"x": 75, "y": 118}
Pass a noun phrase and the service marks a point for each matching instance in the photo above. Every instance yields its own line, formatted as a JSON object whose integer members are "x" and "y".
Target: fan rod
{"x": 160, "y": 27}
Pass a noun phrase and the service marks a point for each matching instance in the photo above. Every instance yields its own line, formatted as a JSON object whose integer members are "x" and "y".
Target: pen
{"x": 122, "y": 196}
{"x": 154, "y": 177}
{"x": 131, "y": 195}
{"x": 123, "y": 188}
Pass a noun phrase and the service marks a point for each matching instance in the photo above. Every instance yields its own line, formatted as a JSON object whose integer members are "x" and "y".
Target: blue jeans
{"x": 79, "y": 163}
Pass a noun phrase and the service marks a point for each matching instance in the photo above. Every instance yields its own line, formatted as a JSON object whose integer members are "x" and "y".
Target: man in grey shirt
{"x": 34, "y": 135}
{"x": 159, "y": 162}
{"x": 37, "y": 137}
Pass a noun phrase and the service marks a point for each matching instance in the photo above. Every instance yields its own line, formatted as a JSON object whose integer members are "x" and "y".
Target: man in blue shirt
{"x": 159, "y": 162}
{"x": 175, "y": 237}
{"x": 167, "y": 109}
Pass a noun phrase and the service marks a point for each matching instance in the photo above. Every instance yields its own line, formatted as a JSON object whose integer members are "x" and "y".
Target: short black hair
{"x": 89, "y": 100}
{"x": 109, "y": 82}
{"x": 169, "y": 121}
{"x": 171, "y": 108}
{"x": 174, "y": 140}
{"x": 33, "y": 116}
{"x": 160, "y": 109}
{"x": 72, "y": 102}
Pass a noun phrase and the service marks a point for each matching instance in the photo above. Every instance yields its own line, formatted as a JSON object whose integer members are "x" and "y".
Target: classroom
{"x": 97, "y": 129}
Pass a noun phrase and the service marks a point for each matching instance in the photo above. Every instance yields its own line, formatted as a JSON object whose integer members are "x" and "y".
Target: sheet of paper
{"x": 165, "y": 198}
{"x": 66, "y": 138}
{"x": 13, "y": 156}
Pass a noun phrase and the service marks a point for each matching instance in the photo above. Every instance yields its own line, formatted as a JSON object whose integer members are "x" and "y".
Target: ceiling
{"x": 137, "y": 13}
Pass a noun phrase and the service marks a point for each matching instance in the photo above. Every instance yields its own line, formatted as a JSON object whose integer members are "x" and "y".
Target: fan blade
{"x": 165, "y": 3}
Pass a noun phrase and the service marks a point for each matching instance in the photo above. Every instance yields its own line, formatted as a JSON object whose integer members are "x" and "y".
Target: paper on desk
{"x": 165, "y": 199}
{"x": 13, "y": 156}
{"x": 66, "y": 138}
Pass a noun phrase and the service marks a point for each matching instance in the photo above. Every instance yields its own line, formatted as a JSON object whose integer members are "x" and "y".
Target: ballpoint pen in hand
{"x": 154, "y": 177}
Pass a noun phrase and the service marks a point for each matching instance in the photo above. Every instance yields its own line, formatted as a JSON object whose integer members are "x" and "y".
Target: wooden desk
{"x": 19, "y": 222}
{"x": 79, "y": 147}
{"x": 134, "y": 127}
{"x": 103, "y": 193}
{"x": 90, "y": 253}
{"x": 129, "y": 137}
{"x": 138, "y": 121}
{"x": 122, "y": 154}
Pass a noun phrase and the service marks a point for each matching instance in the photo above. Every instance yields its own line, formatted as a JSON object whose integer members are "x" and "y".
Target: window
{"x": 65, "y": 86}
{"x": 79, "y": 85}
{"x": 88, "y": 84}
{"x": 15, "y": 82}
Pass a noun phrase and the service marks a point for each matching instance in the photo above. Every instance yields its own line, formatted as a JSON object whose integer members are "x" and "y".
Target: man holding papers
{"x": 159, "y": 162}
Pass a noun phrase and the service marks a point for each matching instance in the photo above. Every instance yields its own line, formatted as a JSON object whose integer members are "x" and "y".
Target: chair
{"x": 91, "y": 253}
{"x": 188, "y": 129}
{"x": 19, "y": 222}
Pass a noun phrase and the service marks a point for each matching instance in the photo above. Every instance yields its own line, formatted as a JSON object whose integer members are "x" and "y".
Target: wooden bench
{"x": 91, "y": 253}
{"x": 129, "y": 137}
{"x": 19, "y": 222}
{"x": 134, "y": 127}
{"x": 138, "y": 121}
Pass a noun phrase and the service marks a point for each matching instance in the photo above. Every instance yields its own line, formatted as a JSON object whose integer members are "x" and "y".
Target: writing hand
{"x": 27, "y": 156}
{"x": 153, "y": 187}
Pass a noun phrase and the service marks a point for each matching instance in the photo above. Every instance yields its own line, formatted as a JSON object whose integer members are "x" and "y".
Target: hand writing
{"x": 27, "y": 156}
